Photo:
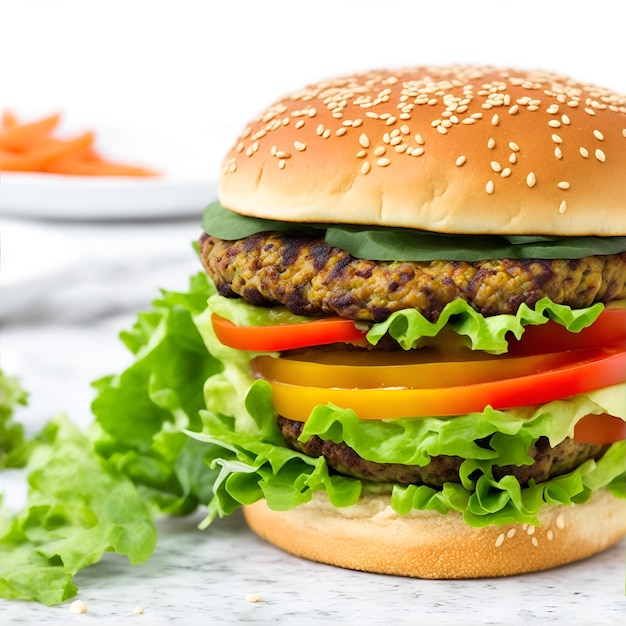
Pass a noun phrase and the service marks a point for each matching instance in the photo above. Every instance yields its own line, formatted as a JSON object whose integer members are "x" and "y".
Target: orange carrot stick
{"x": 41, "y": 158}
{"x": 8, "y": 119}
{"x": 80, "y": 167}
{"x": 19, "y": 137}
{"x": 32, "y": 147}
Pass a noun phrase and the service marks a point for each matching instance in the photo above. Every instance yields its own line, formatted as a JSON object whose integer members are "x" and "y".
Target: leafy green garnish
{"x": 12, "y": 438}
{"x": 79, "y": 507}
{"x": 402, "y": 244}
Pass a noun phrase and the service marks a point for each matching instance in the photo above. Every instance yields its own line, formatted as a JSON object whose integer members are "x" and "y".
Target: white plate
{"x": 27, "y": 268}
{"x": 187, "y": 181}
{"x": 102, "y": 198}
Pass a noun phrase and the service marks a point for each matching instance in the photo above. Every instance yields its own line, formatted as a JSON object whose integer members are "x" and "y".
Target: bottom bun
{"x": 370, "y": 536}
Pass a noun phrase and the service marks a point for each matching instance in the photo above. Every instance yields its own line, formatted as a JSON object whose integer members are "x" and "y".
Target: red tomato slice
{"x": 282, "y": 337}
{"x": 592, "y": 369}
{"x": 609, "y": 329}
{"x": 600, "y": 429}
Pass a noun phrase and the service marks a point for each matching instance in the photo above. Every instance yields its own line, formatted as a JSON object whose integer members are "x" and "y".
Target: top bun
{"x": 445, "y": 149}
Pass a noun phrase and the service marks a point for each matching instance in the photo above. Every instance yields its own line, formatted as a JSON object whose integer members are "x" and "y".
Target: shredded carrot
{"x": 32, "y": 147}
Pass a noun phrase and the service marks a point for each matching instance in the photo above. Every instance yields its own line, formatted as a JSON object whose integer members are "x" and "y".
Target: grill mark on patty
{"x": 310, "y": 277}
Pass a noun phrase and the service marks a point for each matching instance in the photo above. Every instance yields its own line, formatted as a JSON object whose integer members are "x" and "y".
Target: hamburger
{"x": 418, "y": 284}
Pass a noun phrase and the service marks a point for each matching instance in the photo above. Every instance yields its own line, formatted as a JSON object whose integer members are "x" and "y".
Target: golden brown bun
{"x": 371, "y": 537}
{"x": 454, "y": 150}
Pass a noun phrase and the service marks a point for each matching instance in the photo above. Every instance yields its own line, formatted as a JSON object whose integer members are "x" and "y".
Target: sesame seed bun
{"x": 451, "y": 150}
{"x": 370, "y": 536}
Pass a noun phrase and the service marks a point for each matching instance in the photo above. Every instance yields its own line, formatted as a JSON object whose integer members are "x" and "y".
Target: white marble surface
{"x": 68, "y": 337}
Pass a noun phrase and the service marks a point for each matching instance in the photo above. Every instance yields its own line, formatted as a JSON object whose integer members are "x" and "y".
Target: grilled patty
{"x": 548, "y": 462}
{"x": 310, "y": 277}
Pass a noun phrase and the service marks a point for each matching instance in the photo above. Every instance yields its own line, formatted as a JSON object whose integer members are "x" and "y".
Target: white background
{"x": 195, "y": 71}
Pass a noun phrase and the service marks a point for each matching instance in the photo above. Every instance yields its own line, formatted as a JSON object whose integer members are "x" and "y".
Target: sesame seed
{"x": 361, "y": 153}
{"x": 556, "y": 138}
{"x": 320, "y": 129}
{"x": 460, "y": 161}
{"x": 589, "y": 111}
{"x": 491, "y": 144}
{"x": 490, "y": 187}
{"x": 511, "y": 533}
{"x": 495, "y": 120}
{"x": 560, "y": 521}
{"x": 419, "y": 140}
{"x": 531, "y": 530}
{"x": 514, "y": 109}
{"x": 513, "y": 146}
{"x": 78, "y": 607}
{"x": 565, "y": 119}
{"x": 535, "y": 542}
{"x": 598, "y": 135}
{"x": 442, "y": 129}
{"x": 563, "y": 207}
{"x": 365, "y": 168}
{"x": 553, "y": 109}
{"x": 584, "y": 152}
{"x": 495, "y": 166}
{"x": 326, "y": 133}
{"x": 299, "y": 146}
{"x": 417, "y": 151}
{"x": 341, "y": 131}
{"x": 299, "y": 123}
{"x": 550, "y": 534}
{"x": 499, "y": 540}
{"x": 600, "y": 155}
{"x": 506, "y": 172}
{"x": 531, "y": 179}
{"x": 281, "y": 154}
{"x": 554, "y": 123}
{"x": 364, "y": 140}
{"x": 253, "y": 597}
{"x": 383, "y": 162}
{"x": 512, "y": 158}
{"x": 380, "y": 150}
{"x": 563, "y": 184}
{"x": 281, "y": 164}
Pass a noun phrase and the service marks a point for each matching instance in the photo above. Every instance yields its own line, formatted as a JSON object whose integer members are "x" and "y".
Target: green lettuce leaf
{"x": 401, "y": 244}
{"x": 72, "y": 518}
{"x": 141, "y": 413}
{"x": 12, "y": 438}
{"x": 253, "y": 462}
{"x": 489, "y": 334}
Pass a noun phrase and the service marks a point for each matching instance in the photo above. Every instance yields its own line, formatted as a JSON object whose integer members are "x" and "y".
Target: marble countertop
{"x": 65, "y": 335}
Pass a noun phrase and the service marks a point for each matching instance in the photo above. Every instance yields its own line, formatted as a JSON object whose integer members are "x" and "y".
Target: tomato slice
{"x": 592, "y": 369}
{"x": 280, "y": 337}
{"x": 609, "y": 329}
{"x": 600, "y": 429}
